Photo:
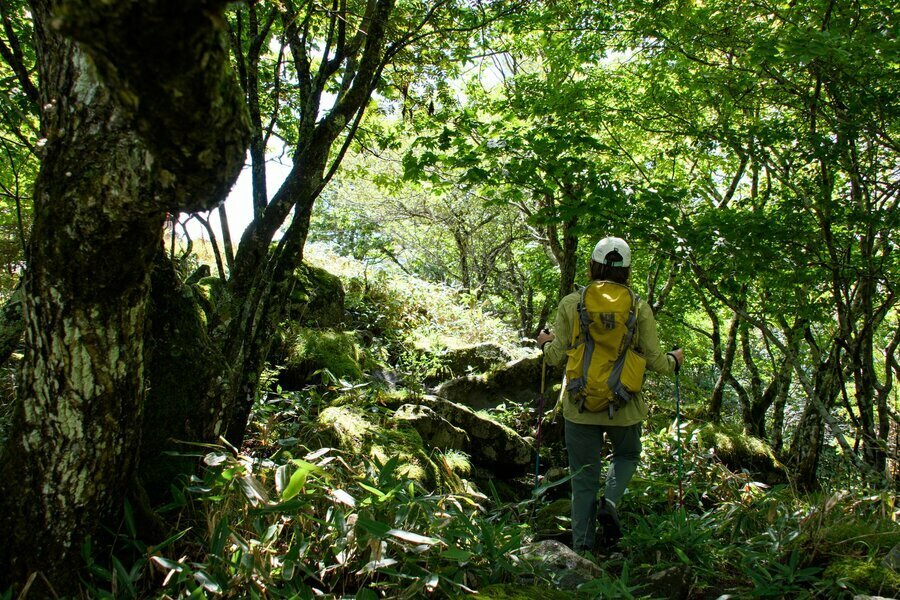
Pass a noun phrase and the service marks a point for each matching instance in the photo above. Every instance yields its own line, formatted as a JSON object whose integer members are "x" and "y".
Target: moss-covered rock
{"x": 356, "y": 431}
{"x": 451, "y": 359}
{"x": 568, "y": 568}
{"x": 491, "y": 444}
{"x": 434, "y": 429}
{"x": 210, "y": 294}
{"x": 317, "y": 299}
{"x": 518, "y": 381}
{"x": 863, "y": 535}
{"x": 864, "y": 576}
{"x": 310, "y": 350}
{"x": 515, "y": 591}
{"x": 353, "y": 430}
{"x": 553, "y": 516}
{"x": 741, "y": 451}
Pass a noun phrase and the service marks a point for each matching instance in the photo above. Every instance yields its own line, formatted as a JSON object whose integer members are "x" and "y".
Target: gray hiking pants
{"x": 584, "y": 444}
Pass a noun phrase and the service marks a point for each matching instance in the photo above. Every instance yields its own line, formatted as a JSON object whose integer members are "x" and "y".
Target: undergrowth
{"x": 284, "y": 518}
{"x": 288, "y": 516}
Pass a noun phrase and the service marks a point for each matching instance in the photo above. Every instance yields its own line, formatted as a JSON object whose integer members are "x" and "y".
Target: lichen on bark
{"x": 130, "y": 104}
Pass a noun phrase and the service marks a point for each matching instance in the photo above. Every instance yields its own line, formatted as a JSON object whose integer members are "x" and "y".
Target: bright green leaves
{"x": 297, "y": 480}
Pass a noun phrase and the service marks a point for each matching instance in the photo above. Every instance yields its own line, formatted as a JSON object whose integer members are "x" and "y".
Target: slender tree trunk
{"x": 778, "y": 412}
{"x": 806, "y": 444}
{"x": 715, "y": 402}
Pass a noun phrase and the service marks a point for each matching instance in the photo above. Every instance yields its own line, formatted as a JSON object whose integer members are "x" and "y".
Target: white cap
{"x": 621, "y": 253}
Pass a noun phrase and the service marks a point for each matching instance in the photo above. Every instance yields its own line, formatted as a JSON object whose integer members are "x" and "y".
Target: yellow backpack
{"x": 603, "y": 370}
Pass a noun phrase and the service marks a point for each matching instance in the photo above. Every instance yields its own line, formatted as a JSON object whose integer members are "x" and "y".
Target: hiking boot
{"x": 608, "y": 522}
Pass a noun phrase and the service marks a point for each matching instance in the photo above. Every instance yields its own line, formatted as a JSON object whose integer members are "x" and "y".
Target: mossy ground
{"x": 865, "y": 577}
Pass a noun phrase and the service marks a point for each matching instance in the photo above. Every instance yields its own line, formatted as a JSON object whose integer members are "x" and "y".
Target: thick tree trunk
{"x": 190, "y": 383}
{"x": 74, "y": 442}
{"x": 127, "y": 140}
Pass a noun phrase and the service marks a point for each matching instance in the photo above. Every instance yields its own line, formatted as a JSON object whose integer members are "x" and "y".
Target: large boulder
{"x": 317, "y": 298}
{"x": 436, "y": 431}
{"x": 491, "y": 444}
{"x": 518, "y": 381}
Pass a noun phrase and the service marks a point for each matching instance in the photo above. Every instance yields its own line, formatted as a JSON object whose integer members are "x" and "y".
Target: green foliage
{"x": 290, "y": 515}
{"x": 518, "y": 591}
{"x": 20, "y": 147}
{"x": 292, "y": 527}
{"x": 7, "y": 398}
{"x": 311, "y": 350}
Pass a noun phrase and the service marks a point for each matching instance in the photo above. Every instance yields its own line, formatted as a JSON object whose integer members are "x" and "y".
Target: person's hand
{"x": 543, "y": 337}
{"x": 678, "y": 355}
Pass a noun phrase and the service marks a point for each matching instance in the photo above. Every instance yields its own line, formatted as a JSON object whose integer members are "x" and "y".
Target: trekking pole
{"x": 540, "y": 419}
{"x": 678, "y": 436}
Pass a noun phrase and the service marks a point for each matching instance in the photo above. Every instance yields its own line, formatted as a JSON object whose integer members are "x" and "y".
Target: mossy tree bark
{"x": 142, "y": 119}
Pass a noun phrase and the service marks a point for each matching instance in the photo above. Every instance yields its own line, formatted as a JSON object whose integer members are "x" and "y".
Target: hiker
{"x": 592, "y": 409}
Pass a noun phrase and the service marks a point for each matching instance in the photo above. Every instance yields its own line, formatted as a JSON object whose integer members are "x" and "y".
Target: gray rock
{"x": 864, "y": 597}
{"x": 477, "y": 358}
{"x": 892, "y": 560}
{"x": 435, "y": 430}
{"x": 569, "y": 569}
{"x": 517, "y": 381}
{"x": 491, "y": 444}
{"x": 674, "y": 582}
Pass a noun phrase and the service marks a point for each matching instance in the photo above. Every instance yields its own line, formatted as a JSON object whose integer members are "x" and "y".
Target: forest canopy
{"x": 747, "y": 151}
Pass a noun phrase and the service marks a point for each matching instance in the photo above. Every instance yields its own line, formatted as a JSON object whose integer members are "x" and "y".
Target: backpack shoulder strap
{"x": 584, "y": 323}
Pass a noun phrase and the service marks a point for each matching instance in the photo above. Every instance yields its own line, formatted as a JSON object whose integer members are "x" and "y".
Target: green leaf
{"x": 376, "y": 528}
{"x": 208, "y": 584}
{"x": 253, "y": 490}
{"x": 123, "y": 578}
{"x": 381, "y": 495}
{"x": 129, "y": 520}
{"x": 215, "y": 459}
{"x": 457, "y": 554}
{"x": 168, "y": 564}
{"x": 682, "y": 556}
{"x": 413, "y": 538}
{"x": 342, "y": 497}
{"x": 298, "y": 479}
